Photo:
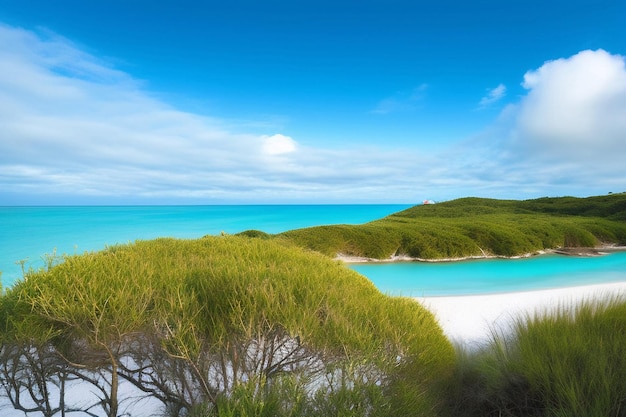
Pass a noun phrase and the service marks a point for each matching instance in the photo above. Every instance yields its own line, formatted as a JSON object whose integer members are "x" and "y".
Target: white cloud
{"x": 493, "y": 95}
{"x": 73, "y": 128}
{"x": 576, "y": 106}
{"x": 278, "y": 145}
{"x": 566, "y": 135}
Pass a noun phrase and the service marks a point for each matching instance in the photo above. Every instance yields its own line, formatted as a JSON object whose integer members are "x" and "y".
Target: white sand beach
{"x": 468, "y": 319}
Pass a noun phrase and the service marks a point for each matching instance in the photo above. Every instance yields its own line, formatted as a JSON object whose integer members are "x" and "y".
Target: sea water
{"x": 485, "y": 276}
{"x": 29, "y": 233}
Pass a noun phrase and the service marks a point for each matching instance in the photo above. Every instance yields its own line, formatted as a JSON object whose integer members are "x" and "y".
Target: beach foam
{"x": 469, "y": 320}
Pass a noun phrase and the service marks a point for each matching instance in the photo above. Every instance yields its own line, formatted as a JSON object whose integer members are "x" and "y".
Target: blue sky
{"x": 189, "y": 102}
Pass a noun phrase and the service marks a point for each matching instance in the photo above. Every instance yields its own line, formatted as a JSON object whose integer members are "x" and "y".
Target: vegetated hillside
{"x": 476, "y": 227}
{"x": 611, "y": 206}
{"x": 217, "y": 326}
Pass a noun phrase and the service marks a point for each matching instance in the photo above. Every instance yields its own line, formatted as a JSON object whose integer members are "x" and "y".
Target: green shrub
{"x": 254, "y": 233}
{"x": 221, "y": 318}
{"x": 573, "y": 238}
{"x": 575, "y": 359}
{"x": 570, "y": 362}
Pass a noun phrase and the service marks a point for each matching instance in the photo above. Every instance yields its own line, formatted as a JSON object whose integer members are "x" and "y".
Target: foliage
{"x": 254, "y": 325}
{"x": 254, "y": 233}
{"x": 476, "y": 227}
{"x": 204, "y": 324}
{"x": 570, "y": 362}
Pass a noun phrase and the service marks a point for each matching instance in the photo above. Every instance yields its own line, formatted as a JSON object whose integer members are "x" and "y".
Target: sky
{"x": 310, "y": 102}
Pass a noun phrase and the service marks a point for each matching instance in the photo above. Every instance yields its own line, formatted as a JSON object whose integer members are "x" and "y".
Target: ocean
{"x": 28, "y": 233}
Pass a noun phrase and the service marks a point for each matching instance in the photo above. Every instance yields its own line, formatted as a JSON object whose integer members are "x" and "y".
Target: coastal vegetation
{"x": 268, "y": 325}
{"x": 217, "y": 326}
{"x": 567, "y": 362}
{"x": 475, "y": 227}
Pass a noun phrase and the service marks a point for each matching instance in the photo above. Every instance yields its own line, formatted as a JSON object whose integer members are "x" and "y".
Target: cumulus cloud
{"x": 567, "y": 134}
{"x": 576, "y": 106}
{"x": 493, "y": 95}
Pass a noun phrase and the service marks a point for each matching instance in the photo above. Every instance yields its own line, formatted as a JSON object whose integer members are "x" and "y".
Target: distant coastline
{"x": 566, "y": 251}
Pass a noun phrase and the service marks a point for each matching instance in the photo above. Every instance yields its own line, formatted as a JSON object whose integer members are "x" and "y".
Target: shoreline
{"x": 470, "y": 320}
{"x": 565, "y": 251}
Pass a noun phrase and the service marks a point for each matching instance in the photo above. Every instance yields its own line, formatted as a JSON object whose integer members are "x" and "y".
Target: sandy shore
{"x": 350, "y": 259}
{"x": 469, "y": 319}
{"x": 583, "y": 251}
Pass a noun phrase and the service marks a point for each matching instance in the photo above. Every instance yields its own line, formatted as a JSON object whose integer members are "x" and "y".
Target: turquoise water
{"x": 485, "y": 276}
{"x": 30, "y": 232}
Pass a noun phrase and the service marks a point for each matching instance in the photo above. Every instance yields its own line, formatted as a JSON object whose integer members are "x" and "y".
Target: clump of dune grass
{"x": 567, "y": 362}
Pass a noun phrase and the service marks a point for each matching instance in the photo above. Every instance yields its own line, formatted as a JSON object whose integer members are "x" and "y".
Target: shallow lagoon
{"x": 486, "y": 276}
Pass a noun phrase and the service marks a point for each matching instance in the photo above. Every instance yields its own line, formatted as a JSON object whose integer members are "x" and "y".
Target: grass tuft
{"x": 566, "y": 362}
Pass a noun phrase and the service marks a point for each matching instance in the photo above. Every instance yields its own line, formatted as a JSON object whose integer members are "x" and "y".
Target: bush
{"x": 571, "y": 362}
{"x": 575, "y": 359}
{"x": 254, "y": 233}
{"x": 223, "y": 325}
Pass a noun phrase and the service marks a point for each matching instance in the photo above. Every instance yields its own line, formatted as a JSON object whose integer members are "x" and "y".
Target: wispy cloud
{"x": 73, "y": 128}
{"x": 401, "y": 101}
{"x": 73, "y": 125}
{"x": 493, "y": 95}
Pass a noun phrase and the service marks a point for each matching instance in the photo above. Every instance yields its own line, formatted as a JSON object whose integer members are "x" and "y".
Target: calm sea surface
{"x": 27, "y": 233}
{"x": 483, "y": 276}
{"x": 30, "y": 232}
